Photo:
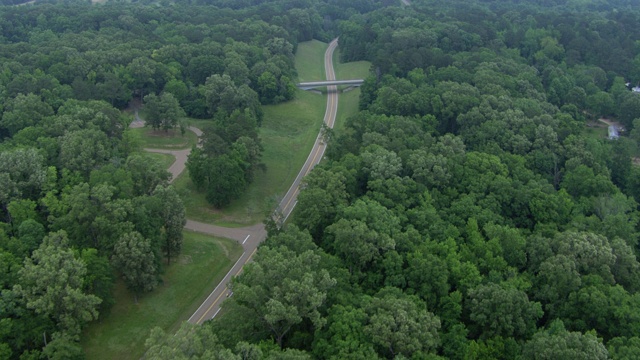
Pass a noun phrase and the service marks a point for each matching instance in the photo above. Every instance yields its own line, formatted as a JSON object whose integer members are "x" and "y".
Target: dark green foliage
{"x": 466, "y": 182}
{"x": 463, "y": 213}
{"x": 558, "y": 343}
{"x": 164, "y": 111}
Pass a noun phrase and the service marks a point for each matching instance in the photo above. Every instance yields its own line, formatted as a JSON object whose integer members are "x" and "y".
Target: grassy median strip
{"x": 187, "y": 282}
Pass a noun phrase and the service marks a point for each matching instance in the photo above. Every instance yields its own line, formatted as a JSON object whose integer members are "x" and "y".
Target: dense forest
{"x": 463, "y": 213}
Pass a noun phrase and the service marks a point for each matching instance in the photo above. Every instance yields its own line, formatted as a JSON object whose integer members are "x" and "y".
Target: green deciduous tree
{"x": 99, "y": 279}
{"x": 282, "y": 289}
{"x": 622, "y": 348}
{"x": 318, "y": 204}
{"x": 163, "y": 112}
{"x": 357, "y": 244}
{"x": 62, "y": 346}
{"x": 22, "y": 174}
{"x": 146, "y": 173}
{"x": 23, "y": 111}
{"x": 222, "y": 177}
{"x": 556, "y": 342}
{"x": 172, "y": 213}
{"x": 51, "y": 283}
{"x": 398, "y": 325}
{"x": 344, "y": 336}
{"x": 134, "y": 258}
{"x": 503, "y": 311}
{"x": 83, "y": 150}
{"x": 190, "y": 342}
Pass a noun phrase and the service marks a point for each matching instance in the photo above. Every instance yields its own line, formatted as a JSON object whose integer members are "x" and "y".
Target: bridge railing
{"x": 317, "y": 84}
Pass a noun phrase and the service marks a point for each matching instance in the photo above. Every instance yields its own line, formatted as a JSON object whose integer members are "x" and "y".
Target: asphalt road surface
{"x": 251, "y": 237}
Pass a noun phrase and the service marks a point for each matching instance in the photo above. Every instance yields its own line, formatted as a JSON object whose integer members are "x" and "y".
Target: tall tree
{"x": 558, "y": 343}
{"x": 51, "y": 283}
{"x": 191, "y": 342}
{"x": 397, "y": 325}
{"x": 282, "y": 289}
{"x": 134, "y": 258}
{"x": 22, "y": 174}
{"x": 505, "y": 312}
{"x": 172, "y": 212}
{"x": 163, "y": 112}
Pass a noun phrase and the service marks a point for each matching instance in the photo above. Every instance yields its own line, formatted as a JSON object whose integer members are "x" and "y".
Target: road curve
{"x": 181, "y": 156}
{"x": 251, "y": 237}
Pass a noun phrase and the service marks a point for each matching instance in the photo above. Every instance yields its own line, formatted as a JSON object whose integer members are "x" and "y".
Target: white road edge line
{"x": 214, "y": 315}
{"x": 214, "y": 290}
{"x": 245, "y": 239}
{"x": 292, "y": 207}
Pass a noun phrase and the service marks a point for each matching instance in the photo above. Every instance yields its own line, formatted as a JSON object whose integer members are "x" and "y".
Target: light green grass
{"x": 310, "y": 60}
{"x": 165, "y": 159}
{"x": 160, "y": 139}
{"x": 347, "y": 106}
{"x": 351, "y": 70}
{"x": 348, "y": 103}
{"x": 187, "y": 282}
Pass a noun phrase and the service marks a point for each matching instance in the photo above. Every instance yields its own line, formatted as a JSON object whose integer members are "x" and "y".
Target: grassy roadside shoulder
{"x": 187, "y": 281}
{"x": 348, "y": 103}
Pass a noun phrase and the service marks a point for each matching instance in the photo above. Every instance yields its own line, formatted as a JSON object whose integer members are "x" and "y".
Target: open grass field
{"x": 310, "y": 60}
{"x": 187, "y": 282}
{"x": 160, "y": 139}
{"x": 350, "y": 70}
{"x": 165, "y": 159}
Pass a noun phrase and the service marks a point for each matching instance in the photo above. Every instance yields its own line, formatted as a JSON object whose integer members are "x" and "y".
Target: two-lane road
{"x": 317, "y": 152}
{"x": 251, "y": 237}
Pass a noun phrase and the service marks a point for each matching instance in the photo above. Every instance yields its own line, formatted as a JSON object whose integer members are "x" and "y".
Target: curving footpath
{"x": 250, "y": 237}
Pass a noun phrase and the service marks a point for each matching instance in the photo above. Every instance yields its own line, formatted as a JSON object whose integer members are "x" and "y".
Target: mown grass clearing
{"x": 350, "y": 70}
{"x": 187, "y": 282}
{"x": 310, "y": 60}
{"x": 160, "y": 139}
{"x": 165, "y": 159}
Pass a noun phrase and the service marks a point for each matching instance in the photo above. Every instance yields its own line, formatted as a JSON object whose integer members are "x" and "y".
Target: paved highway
{"x": 251, "y": 237}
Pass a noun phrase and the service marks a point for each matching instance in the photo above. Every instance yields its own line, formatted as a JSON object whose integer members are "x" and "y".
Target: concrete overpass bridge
{"x": 317, "y": 84}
